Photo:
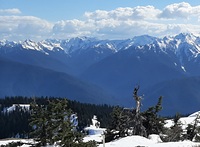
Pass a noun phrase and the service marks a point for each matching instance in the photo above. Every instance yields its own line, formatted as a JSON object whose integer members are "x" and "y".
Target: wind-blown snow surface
{"x": 134, "y": 141}
{"x": 130, "y": 141}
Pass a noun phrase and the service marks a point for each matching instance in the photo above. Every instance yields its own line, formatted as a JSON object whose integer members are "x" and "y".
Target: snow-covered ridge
{"x": 182, "y": 45}
{"x": 74, "y": 44}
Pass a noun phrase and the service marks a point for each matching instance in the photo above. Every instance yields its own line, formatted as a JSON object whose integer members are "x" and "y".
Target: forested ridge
{"x": 16, "y": 123}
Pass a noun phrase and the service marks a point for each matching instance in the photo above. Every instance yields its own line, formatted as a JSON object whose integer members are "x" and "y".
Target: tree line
{"x": 49, "y": 121}
{"x": 16, "y": 123}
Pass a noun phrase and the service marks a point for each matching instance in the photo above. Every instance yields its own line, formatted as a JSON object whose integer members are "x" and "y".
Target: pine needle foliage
{"x": 154, "y": 123}
{"x": 193, "y": 130}
{"x": 175, "y": 132}
{"x": 52, "y": 125}
{"x": 126, "y": 122}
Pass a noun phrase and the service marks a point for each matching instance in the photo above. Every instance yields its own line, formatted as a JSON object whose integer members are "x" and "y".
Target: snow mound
{"x": 95, "y": 129}
{"x": 130, "y": 141}
{"x": 134, "y": 141}
{"x": 155, "y": 138}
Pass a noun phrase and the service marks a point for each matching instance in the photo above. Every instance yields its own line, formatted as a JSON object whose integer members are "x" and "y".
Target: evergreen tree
{"x": 118, "y": 126}
{"x": 127, "y": 121}
{"x": 193, "y": 130}
{"x": 175, "y": 132}
{"x": 118, "y": 121}
{"x": 62, "y": 126}
{"x": 153, "y": 123}
{"x": 39, "y": 123}
{"x": 20, "y": 118}
{"x": 52, "y": 124}
{"x": 134, "y": 122}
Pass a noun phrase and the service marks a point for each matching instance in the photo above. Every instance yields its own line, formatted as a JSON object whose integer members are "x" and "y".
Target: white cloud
{"x": 72, "y": 28}
{"x": 9, "y": 11}
{"x": 140, "y": 12}
{"x": 180, "y": 10}
{"x": 115, "y": 24}
{"x": 24, "y": 27}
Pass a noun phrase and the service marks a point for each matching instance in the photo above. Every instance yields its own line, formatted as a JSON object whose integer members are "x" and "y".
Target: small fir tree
{"x": 53, "y": 125}
{"x": 175, "y": 132}
{"x": 39, "y": 123}
{"x": 193, "y": 130}
{"x": 154, "y": 123}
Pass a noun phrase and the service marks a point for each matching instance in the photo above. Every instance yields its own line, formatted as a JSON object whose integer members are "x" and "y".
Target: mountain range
{"x": 106, "y": 71}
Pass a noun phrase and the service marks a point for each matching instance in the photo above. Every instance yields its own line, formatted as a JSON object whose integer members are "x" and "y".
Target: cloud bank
{"x": 9, "y": 11}
{"x": 119, "y": 23}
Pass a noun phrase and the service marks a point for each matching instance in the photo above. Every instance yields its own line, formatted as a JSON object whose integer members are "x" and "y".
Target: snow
{"x": 129, "y": 141}
{"x": 94, "y": 131}
{"x": 24, "y": 107}
{"x": 96, "y": 137}
{"x": 195, "y": 114}
{"x": 133, "y": 141}
{"x": 183, "y": 68}
{"x": 7, "y": 141}
{"x": 29, "y": 44}
{"x": 181, "y": 45}
{"x": 185, "y": 121}
{"x": 94, "y": 128}
{"x": 162, "y": 44}
{"x": 47, "y": 45}
{"x": 155, "y": 138}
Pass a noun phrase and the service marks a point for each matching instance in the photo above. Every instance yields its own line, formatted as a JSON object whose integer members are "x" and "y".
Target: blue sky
{"x": 110, "y": 19}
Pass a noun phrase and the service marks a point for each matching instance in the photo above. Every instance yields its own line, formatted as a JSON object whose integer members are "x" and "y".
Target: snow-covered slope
{"x": 185, "y": 121}
{"x": 24, "y": 107}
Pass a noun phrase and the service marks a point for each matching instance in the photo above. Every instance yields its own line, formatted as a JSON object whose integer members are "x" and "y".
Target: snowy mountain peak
{"x": 29, "y": 44}
{"x": 184, "y": 45}
{"x": 5, "y": 42}
{"x": 144, "y": 39}
{"x": 185, "y": 37}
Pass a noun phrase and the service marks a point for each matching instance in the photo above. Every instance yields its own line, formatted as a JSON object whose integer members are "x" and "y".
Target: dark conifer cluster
{"x": 54, "y": 124}
{"x": 16, "y": 123}
{"x": 127, "y": 122}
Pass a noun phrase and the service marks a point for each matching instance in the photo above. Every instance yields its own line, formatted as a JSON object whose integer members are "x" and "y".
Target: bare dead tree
{"x": 138, "y": 127}
{"x": 137, "y": 99}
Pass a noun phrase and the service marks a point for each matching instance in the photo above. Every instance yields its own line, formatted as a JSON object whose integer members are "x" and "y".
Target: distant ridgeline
{"x": 15, "y": 114}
